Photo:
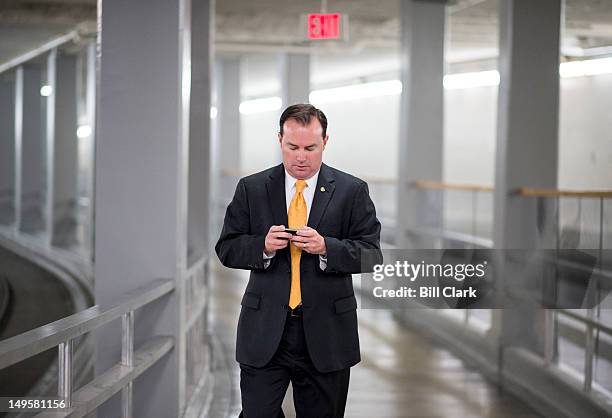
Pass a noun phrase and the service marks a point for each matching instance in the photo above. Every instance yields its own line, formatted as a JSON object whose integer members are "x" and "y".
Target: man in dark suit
{"x": 298, "y": 320}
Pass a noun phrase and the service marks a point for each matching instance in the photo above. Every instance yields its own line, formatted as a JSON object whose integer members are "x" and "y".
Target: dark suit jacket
{"x": 345, "y": 216}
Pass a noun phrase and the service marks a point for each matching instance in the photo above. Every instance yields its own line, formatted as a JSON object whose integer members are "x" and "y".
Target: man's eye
{"x": 309, "y": 148}
{"x": 292, "y": 148}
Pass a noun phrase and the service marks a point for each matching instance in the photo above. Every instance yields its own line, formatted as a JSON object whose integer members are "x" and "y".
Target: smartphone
{"x": 291, "y": 231}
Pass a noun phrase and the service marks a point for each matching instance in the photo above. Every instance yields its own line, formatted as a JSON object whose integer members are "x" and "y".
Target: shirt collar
{"x": 311, "y": 182}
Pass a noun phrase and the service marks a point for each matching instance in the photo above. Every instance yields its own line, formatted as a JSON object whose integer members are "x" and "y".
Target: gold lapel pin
{"x": 322, "y": 188}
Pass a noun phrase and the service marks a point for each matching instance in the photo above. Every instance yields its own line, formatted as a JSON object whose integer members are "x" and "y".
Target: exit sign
{"x": 324, "y": 25}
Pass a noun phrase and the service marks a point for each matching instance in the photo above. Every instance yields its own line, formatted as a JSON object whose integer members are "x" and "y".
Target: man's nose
{"x": 301, "y": 156}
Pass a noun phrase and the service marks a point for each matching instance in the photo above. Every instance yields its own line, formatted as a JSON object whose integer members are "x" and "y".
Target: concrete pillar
{"x": 227, "y": 141}
{"x": 528, "y": 114}
{"x": 49, "y": 144}
{"x": 228, "y": 103}
{"x": 7, "y": 149}
{"x": 527, "y": 139}
{"x": 142, "y": 156}
{"x": 87, "y": 146}
{"x": 63, "y": 154}
{"x": 421, "y": 120}
{"x": 30, "y": 131}
{"x": 295, "y": 78}
{"x": 85, "y": 93}
{"x": 200, "y": 147}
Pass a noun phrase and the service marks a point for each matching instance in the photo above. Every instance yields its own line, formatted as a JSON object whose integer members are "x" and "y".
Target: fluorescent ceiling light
{"x": 571, "y": 69}
{"x": 355, "y": 92}
{"x": 213, "y": 112}
{"x": 585, "y": 68}
{"x": 469, "y": 80}
{"x": 83, "y": 131}
{"x": 46, "y": 91}
{"x": 267, "y": 104}
{"x": 394, "y": 87}
{"x": 597, "y": 66}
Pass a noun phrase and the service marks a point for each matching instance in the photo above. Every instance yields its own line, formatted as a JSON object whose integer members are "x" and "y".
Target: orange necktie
{"x": 296, "y": 218}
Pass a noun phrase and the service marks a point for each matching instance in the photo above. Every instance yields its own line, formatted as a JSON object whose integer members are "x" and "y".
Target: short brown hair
{"x": 303, "y": 113}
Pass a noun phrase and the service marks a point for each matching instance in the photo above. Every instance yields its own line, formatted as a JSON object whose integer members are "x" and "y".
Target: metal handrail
{"x": 589, "y": 344}
{"x": 438, "y": 185}
{"x": 592, "y": 325}
{"x": 119, "y": 377}
{"x": 62, "y": 333}
{"x": 43, "y": 49}
{"x": 28, "y": 344}
{"x": 539, "y": 192}
{"x": 521, "y": 191}
{"x": 587, "y": 321}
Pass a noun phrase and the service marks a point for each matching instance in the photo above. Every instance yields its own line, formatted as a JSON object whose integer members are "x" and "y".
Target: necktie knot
{"x": 300, "y": 185}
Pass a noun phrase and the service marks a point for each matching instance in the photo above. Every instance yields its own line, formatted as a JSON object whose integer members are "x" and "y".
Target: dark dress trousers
{"x": 344, "y": 215}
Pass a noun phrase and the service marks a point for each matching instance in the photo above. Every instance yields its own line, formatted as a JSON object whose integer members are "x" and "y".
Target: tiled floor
{"x": 401, "y": 374}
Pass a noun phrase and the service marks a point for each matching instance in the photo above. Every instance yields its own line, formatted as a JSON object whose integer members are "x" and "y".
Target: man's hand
{"x": 277, "y": 239}
{"x": 309, "y": 240}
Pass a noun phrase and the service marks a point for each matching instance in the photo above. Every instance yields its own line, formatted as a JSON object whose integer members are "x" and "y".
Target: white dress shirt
{"x": 308, "y": 191}
{"x": 308, "y": 194}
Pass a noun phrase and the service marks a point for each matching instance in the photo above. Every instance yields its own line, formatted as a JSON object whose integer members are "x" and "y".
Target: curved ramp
{"x": 35, "y": 298}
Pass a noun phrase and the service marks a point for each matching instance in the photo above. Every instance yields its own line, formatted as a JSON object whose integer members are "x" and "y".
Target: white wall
{"x": 259, "y": 142}
{"x": 363, "y": 137}
{"x": 469, "y": 135}
{"x": 585, "y": 143}
{"x": 585, "y": 134}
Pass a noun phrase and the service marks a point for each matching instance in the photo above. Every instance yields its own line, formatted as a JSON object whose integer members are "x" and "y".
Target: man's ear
{"x": 325, "y": 140}
{"x": 280, "y": 139}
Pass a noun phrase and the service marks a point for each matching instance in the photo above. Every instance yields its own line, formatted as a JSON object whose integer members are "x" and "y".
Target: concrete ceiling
{"x": 273, "y": 25}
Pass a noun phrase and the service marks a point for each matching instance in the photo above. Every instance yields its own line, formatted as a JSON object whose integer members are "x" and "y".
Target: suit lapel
{"x": 322, "y": 195}
{"x": 276, "y": 195}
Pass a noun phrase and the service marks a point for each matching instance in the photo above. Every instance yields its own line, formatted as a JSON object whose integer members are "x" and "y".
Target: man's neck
{"x": 288, "y": 175}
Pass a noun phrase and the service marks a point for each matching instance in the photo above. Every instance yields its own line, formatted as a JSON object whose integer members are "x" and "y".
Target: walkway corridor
{"x": 401, "y": 374}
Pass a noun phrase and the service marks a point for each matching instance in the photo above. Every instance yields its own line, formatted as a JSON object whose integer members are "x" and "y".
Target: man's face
{"x": 302, "y": 148}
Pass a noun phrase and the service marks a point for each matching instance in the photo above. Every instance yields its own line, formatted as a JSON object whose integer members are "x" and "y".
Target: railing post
{"x": 50, "y": 142}
{"x": 549, "y": 337}
{"x": 601, "y": 228}
{"x": 550, "y": 317}
{"x": 474, "y": 211}
{"x": 127, "y": 359}
{"x": 65, "y": 372}
{"x": 589, "y": 348}
{"x": 557, "y": 229}
{"x": 18, "y": 130}
{"x": 127, "y": 339}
